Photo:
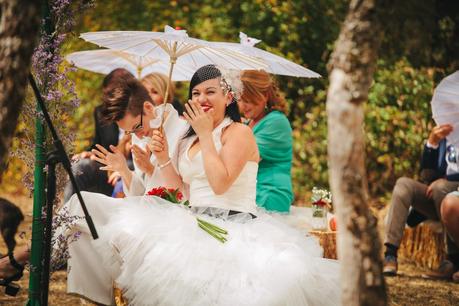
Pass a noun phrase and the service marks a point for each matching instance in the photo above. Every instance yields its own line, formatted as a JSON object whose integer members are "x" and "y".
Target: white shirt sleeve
{"x": 137, "y": 187}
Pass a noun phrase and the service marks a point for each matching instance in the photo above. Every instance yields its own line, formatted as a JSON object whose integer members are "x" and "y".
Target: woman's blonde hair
{"x": 159, "y": 82}
{"x": 258, "y": 84}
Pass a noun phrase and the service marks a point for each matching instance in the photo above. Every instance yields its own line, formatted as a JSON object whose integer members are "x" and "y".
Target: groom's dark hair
{"x": 122, "y": 93}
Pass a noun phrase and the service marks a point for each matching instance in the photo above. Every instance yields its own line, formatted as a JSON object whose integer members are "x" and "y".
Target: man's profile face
{"x": 133, "y": 125}
{"x": 139, "y": 124}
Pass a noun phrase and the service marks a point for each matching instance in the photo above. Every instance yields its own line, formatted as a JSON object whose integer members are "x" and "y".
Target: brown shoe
{"x": 455, "y": 277}
{"x": 445, "y": 271}
{"x": 390, "y": 265}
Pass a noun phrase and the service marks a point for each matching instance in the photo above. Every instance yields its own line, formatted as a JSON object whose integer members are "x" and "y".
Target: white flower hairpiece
{"x": 231, "y": 81}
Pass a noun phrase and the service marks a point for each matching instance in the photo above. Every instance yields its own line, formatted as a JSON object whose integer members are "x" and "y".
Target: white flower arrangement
{"x": 321, "y": 197}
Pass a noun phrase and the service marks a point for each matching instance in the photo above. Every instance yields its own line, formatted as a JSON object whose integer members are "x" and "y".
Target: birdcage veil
{"x": 230, "y": 80}
{"x": 227, "y": 79}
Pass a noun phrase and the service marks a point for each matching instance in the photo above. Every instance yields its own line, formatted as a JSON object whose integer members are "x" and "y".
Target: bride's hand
{"x": 201, "y": 121}
{"x": 113, "y": 161}
{"x": 159, "y": 147}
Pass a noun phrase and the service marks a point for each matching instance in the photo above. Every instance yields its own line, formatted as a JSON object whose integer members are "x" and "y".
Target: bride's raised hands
{"x": 201, "y": 121}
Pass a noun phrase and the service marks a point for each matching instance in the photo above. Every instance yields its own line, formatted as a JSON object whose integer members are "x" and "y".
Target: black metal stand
{"x": 57, "y": 156}
{"x": 51, "y": 162}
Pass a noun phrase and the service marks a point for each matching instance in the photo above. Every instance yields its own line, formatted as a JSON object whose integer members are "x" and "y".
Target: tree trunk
{"x": 19, "y": 26}
{"x": 351, "y": 70}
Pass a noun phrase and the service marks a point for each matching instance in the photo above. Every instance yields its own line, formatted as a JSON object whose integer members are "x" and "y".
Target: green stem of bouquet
{"x": 211, "y": 233}
{"x": 212, "y": 230}
{"x": 213, "y": 226}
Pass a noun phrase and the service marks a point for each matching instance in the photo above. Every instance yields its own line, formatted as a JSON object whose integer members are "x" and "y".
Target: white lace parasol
{"x": 445, "y": 106}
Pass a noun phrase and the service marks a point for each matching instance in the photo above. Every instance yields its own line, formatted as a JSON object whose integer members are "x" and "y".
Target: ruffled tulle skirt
{"x": 156, "y": 253}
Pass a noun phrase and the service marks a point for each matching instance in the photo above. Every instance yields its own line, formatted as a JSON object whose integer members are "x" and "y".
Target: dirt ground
{"x": 408, "y": 288}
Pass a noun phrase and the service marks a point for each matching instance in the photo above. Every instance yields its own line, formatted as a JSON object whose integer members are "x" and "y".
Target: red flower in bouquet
{"x": 169, "y": 194}
{"x": 159, "y": 192}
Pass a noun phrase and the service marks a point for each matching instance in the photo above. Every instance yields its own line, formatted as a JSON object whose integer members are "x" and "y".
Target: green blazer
{"x": 274, "y": 182}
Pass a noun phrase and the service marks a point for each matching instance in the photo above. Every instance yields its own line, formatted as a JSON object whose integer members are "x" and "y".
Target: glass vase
{"x": 319, "y": 217}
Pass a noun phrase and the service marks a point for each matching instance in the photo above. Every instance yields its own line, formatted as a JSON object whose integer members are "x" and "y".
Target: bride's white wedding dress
{"x": 156, "y": 253}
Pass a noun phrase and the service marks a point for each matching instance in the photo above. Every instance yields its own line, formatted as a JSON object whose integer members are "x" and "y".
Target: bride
{"x": 156, "y": 253}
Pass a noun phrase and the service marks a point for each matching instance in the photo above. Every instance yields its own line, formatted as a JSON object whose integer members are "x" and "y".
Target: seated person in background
{"x": 426, "y": 198}
{"x": 87, "y": 173}
{"x": 156, "y": 84}
{"x": 264, "y": 107}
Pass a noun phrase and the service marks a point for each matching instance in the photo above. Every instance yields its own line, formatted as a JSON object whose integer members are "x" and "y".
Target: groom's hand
{"x": 113, "y": 161}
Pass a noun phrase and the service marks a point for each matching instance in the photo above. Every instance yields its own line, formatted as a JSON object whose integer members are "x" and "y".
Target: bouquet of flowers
{"x": 175, "y": 196}
{"x": 169, "y": 194}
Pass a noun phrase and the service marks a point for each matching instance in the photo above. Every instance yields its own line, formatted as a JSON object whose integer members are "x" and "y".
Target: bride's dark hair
{"x": 203, "y": 74}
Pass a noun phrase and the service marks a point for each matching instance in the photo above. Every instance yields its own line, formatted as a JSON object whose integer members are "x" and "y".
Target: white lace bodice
{"x": 240, "y": 196}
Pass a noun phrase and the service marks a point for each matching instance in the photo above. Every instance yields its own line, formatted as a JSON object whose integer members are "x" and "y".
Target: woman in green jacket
{"x": 264, "y": 107}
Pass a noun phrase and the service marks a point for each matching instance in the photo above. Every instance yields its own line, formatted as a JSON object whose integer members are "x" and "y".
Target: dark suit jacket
{"x": 105, "y": 134}
{"x": 435, "y": 160}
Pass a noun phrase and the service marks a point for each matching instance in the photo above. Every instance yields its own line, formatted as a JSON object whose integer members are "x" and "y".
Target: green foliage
{"x": 397, "y": 122}
{"x": 310, "y": 150}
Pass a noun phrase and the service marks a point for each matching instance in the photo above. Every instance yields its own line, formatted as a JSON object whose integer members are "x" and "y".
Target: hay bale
{"x": 118, "y": 296}
{"x": 423, "y": 245}
{"x": 327, "y": 240}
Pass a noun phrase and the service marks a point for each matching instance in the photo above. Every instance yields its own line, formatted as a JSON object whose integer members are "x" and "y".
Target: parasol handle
{"x": 173, "y": 60}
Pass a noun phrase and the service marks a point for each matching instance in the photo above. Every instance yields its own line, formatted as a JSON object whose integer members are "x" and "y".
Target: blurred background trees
{"x": 420, "y": 46}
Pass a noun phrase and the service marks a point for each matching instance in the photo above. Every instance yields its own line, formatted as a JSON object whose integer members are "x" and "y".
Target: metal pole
{"x": 36, "y": 255}
{"x": 37, "y": 222}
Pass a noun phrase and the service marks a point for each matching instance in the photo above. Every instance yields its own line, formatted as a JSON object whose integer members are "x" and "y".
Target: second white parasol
{"x": 105, "y": 60}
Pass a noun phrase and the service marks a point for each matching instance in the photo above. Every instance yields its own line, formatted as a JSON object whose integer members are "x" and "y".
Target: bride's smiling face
{"x": 209, "y": 94}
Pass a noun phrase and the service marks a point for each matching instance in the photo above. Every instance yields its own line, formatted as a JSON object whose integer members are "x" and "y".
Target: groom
{"x": 86, "y": 170}
{"x": 128, "y": 104}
